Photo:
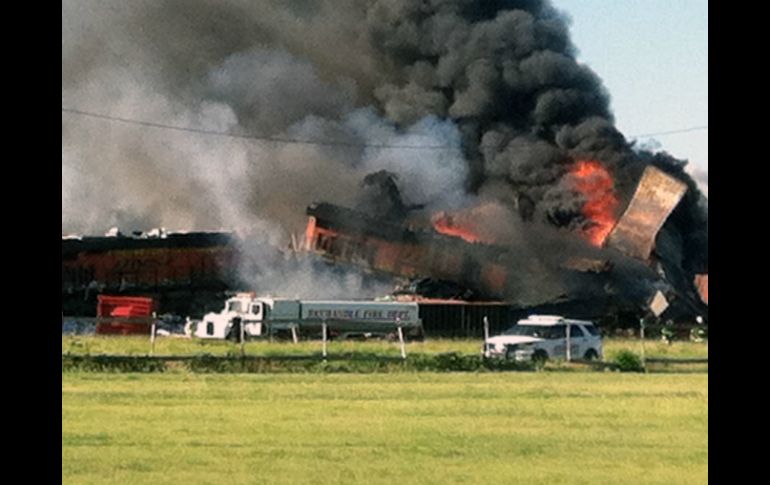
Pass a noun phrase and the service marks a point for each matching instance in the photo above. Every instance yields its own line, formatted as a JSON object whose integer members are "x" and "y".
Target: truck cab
{"x": 243, "y": 309}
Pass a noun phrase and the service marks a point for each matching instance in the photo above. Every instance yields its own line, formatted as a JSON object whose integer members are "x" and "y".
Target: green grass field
{"x": 134, "y": 345}
{"x": 418, "y": 428}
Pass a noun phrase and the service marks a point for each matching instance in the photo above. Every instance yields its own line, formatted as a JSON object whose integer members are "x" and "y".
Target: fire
{"x": 595, "y": 183}
{"x": 482, "y": 223}
{"x": 702, "y": 284}
{"x": 449, "y": 225}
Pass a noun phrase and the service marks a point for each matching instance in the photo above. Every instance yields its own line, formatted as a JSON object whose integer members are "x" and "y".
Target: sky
{"x": 653, "y": 58}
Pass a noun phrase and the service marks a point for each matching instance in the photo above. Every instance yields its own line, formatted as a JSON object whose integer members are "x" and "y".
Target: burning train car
{"x": 183, "y": 272}
{"x": 612, "y": 276}
{"x": 380, "y": 245}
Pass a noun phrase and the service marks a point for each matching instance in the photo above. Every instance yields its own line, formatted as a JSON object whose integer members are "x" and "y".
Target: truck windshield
{"x": 234, "y": 306}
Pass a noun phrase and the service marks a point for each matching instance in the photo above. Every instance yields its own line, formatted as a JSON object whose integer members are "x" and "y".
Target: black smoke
{"x": 497, "y": 82}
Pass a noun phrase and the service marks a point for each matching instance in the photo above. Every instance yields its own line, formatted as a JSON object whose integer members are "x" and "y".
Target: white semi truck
{"x": 251, "y": 316}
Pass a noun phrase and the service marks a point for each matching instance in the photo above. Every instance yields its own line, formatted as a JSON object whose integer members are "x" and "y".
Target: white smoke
{"x": 150, "y": 176}
{"x": 137, "y": 177}
{"x": 701, "y": 177}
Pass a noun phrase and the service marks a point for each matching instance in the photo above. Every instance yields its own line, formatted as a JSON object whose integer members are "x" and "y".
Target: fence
{"x": 318, "y": 327}
{"x": 678, "y": 345}
{"x": 680, "y": 348}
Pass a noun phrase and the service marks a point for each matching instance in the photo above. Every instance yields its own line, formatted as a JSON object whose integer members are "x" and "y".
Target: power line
{"x": 275, "y": 139}
{"x": 278, "y": 139}
{"x": 672, "y": 132}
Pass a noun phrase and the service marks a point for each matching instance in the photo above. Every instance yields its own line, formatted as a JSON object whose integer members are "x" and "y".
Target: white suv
{"x": 542, "y": 337}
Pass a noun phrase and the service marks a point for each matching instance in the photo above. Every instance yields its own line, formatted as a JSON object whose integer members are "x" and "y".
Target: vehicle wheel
{"x": 591, "y": 355}
{"x": 233, "y": 336}
{"x": 510, "y": 353}
{"x": 539, "y": 357}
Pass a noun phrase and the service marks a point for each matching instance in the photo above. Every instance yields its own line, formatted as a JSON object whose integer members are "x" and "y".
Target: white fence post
{"x": 486, "y": 336}
{"x": 641, "y": 335}
{"x": 152, "y": 335}
{"x": 323, "y": 331}
{"x": 401, "y": 339}
{"x": 569, "y": 343}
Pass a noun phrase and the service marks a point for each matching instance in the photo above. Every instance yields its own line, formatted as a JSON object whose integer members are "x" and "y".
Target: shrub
{"x": 87, "y": 363}
{"x": 628, "y": 361}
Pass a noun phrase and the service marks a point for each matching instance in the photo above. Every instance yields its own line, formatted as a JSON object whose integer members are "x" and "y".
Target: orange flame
{"x": 449, "y": 226}
{"x": 702, "y": 284}
{"x": 595, "y": 183}
{"x": 477, "y": 224}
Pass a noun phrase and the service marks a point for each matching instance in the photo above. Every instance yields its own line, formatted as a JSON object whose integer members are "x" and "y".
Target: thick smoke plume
{"x": 494, "y": 83}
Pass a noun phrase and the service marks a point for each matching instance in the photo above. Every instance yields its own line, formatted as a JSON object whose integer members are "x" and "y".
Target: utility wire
{"x": 672, "y": 132}
{"x": 278, "y": 139}
{"x": 275, "y": 139}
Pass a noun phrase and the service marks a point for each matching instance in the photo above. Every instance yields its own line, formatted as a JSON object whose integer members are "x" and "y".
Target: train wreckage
{"x": 615, "y": 281}
{"x": 456, "y": 279}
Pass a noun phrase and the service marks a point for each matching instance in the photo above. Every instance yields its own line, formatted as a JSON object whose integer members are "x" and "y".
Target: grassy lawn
{"x": 421, "y": 428}
{"x": 133, "y": 345}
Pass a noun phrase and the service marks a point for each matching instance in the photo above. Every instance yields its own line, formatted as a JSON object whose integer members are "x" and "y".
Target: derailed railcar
{"x": 383, "y": 246}
{"x": 178, "y": 270}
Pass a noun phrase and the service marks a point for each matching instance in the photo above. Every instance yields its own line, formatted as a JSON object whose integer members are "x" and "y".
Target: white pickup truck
{"x": 543, "y": 337}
